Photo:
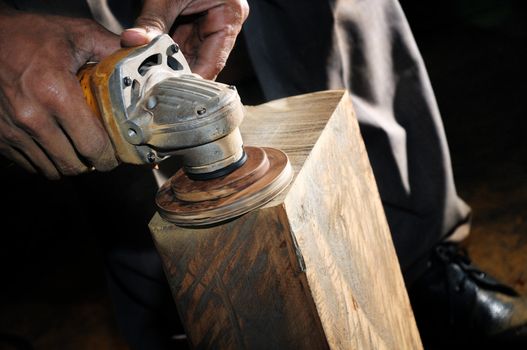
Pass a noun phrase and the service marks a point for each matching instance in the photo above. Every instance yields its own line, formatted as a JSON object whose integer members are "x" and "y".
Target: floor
{"x": 53, "y": 292}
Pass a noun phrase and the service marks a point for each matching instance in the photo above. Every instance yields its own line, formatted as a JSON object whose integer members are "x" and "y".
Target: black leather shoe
{"x": 456, "y": 303}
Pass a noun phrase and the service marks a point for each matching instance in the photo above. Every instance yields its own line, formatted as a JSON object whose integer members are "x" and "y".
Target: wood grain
{"x": 315, "y": 268}
{"x": 240, "y": 287}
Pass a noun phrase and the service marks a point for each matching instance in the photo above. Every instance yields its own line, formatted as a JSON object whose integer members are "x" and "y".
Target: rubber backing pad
{"x": 190, "y": 203}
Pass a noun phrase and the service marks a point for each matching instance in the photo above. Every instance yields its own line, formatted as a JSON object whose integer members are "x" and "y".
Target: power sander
{"x": 153, "y": 107}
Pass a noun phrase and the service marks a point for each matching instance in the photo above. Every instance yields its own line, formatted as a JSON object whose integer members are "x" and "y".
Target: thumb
{"x": 156, "y": 18}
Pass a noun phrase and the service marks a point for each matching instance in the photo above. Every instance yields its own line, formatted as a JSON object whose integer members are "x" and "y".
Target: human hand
{"x": 46, "y": 125}
{"x": 206, "y": 36}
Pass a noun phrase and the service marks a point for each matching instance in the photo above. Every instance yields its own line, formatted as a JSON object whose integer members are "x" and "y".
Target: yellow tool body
{"x": 95, "y": 83}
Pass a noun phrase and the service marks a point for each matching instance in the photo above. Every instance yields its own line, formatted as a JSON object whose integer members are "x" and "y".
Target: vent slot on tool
{"x": 148, "y": 63}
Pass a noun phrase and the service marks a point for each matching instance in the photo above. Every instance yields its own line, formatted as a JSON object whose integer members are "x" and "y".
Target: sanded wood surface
{"x": 240, "y": 287}
{"x": 316, "y": 267}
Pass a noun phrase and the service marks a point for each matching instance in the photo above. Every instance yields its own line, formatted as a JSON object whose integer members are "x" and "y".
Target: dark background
{"x": 53, "y": 290}
{"x": 476, "y": 55}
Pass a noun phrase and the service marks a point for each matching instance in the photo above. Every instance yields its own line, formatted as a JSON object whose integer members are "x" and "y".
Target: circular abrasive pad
{"x": 191, "y": 203}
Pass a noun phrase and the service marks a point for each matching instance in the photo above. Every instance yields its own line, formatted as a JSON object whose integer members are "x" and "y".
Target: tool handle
{"x": 84, "y": 76}
{"x": 94, "y": 79}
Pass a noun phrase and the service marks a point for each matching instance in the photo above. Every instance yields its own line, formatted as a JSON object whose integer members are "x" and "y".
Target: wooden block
{"x": 313, "y": 269}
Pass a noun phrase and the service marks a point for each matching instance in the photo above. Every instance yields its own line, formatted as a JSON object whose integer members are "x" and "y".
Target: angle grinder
{"x": 153, "y": 107}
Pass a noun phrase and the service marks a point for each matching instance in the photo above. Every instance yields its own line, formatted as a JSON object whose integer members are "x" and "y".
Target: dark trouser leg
{"x": 123, "y": 203}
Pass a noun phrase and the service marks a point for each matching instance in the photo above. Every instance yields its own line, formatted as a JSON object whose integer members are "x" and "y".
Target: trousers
{"x": 295, "y": 47}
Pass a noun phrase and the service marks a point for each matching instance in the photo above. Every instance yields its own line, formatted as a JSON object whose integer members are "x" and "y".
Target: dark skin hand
{"x": 206, "y": 38}
{"x": 45, "y": 124}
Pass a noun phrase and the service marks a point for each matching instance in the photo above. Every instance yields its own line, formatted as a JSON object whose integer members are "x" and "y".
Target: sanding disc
{"x": 190, "y": 203}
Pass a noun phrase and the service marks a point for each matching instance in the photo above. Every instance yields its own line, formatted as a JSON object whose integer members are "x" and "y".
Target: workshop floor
{"x": 53, "y": 292}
